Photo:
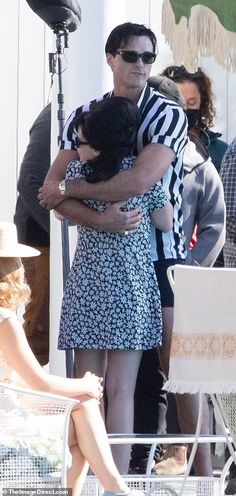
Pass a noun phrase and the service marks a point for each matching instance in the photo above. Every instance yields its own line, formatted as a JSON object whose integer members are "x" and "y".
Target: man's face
{"x": 131, "y": 75}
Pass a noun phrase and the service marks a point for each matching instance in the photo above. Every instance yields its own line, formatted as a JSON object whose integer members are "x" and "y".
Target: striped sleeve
{"x": 170, "y": 128}
{"x": 68, "y": 135}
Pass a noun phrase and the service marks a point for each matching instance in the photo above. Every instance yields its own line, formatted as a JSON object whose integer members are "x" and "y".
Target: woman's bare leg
{"x": 122, "y": 370}
{"x": 93, "y": 443}
{"x": 76, "y": 474}
{"x": 94, "y": 361}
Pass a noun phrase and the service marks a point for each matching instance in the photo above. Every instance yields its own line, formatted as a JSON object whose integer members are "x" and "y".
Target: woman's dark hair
{"x": 110, "y": 127}
{"x": 179, "y": 74}
{"x": 121, "y": 34}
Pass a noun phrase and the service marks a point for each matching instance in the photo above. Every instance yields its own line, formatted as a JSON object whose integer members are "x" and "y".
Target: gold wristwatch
{"x": 62, "y": 187}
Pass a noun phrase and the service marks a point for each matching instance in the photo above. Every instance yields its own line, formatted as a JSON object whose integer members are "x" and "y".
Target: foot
{"x": 174, "y": 461}
{"x": 139, "y": 464}
{"x": 231, "y": 487}
{"x": 130, "y": 493}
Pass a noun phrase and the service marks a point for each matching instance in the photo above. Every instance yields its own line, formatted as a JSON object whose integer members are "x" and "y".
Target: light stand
{"x": 62, "y": 16}
{"x": 55, "y": 60}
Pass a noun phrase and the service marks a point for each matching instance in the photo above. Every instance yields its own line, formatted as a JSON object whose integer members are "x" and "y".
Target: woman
{"x": 88, "y": 441}
{"x": 111, "y": 308}
{"x": 196, "y": 89}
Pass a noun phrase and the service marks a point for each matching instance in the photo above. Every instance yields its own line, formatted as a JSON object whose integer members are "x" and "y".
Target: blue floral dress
{"x": 111, "y": 298}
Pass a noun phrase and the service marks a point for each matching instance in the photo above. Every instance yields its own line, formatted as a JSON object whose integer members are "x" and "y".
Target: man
{"x": 161, "y": 139}
{"x": 33, "y": 228}
{"x": 202, "y": 205}
{"x": 228, "y": 177}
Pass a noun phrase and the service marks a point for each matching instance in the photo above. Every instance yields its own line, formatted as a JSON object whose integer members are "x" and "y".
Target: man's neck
{"x": 131, "y": 93}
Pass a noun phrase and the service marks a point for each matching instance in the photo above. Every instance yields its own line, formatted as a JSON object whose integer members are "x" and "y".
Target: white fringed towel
{"x": 202, "y": 34}
{"x": 203, "y": 351}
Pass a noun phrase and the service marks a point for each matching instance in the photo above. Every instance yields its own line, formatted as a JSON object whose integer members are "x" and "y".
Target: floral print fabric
{"x": 111, "y": 298}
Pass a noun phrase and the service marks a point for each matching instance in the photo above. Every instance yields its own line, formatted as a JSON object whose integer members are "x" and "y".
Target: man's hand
{"x": 49, "y": 195}
{"x": 114, "y": 220}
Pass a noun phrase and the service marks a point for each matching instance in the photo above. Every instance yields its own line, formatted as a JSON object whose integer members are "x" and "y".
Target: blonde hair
{"x": 14, "y": 290}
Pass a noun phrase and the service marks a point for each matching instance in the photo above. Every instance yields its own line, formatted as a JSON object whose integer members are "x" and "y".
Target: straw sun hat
{"x": 9, "y": 246}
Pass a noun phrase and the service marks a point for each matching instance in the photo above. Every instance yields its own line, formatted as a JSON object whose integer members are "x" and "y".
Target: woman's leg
{"x": 122, "y": 370}
{"x": 90, "y": 435}
{"x": 94, "y": 361}
{"x": 77, "y": 472}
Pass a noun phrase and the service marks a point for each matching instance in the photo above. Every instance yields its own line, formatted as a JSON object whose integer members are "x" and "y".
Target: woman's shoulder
{"x": 76, "y": 169}
{"x": 6, "y": 313}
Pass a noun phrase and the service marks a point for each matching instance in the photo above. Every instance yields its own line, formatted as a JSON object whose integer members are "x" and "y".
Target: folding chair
{"x": 203, "y": 351}
{"x": 33, "y": 438}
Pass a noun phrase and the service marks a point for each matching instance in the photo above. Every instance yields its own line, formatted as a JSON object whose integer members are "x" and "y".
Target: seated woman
{"x": 88, "y": 441}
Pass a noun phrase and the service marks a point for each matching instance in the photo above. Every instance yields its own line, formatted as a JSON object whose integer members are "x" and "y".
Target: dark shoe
{"x": 141, "y": 467}
{"x": 231, "y": 486}
{"x": 138, "y": 464}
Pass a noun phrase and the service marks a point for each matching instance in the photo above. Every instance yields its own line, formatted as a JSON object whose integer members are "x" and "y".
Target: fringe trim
{"x": 194, "y": 387}
{"x": 201, "y": 35}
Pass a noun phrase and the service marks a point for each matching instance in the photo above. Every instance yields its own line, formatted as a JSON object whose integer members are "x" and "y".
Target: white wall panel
{"x": 8, "y": 105}
{"x": 23, "y": 41}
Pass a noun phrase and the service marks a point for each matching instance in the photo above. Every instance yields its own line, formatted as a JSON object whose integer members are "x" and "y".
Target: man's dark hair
{"x": 110, "y": 127}
{"x": 120, "y": 36}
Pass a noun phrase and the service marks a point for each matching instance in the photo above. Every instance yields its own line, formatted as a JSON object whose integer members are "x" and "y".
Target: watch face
{"x": 62, "y": 187}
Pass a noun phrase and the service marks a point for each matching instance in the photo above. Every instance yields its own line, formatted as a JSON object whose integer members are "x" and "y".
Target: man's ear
{"x": 110, "y": 59}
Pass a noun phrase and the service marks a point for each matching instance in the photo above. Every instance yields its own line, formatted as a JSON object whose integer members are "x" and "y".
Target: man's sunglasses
{"x": 132, "y": 57}
{"x": 178, "y": 71}
{"x": 79, "y": 142}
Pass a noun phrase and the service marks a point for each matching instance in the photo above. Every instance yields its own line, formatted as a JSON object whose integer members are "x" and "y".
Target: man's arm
{"x": 34, "y": 167}
{"x": 149, "y": 167}
{"x": 210, "y": 222}
{"x": 58, "y": 168}
{"x": 113, "y": 219}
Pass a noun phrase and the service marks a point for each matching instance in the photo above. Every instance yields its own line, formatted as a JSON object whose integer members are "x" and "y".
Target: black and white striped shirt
{"x": 162, "y": 121}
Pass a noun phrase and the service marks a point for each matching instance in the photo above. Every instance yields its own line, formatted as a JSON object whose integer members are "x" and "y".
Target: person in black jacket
{"x": 33, "y": 228}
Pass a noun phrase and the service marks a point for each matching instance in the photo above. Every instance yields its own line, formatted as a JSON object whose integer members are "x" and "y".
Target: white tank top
{"x": 6, "y": 373}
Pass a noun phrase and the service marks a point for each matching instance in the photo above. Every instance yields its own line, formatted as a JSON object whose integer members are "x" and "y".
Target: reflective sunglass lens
{"x": 148, "y": 57}
{"x": 132, "y": 57}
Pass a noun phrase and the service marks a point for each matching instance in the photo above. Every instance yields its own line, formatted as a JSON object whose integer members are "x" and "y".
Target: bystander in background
{"x": 228, "y": 176}
{"x": 33, "y": 228}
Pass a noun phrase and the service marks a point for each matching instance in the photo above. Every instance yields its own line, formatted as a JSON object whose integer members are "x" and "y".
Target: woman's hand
{"x": 93, "y": 385}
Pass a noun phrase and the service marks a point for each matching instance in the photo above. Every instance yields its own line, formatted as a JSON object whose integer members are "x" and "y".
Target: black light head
{"x": 58, "y": 12}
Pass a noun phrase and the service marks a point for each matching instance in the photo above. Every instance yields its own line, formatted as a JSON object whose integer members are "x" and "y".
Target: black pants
{"x": 150, "y": 403}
